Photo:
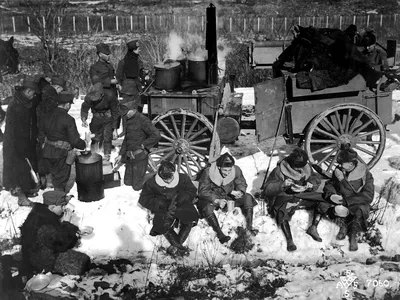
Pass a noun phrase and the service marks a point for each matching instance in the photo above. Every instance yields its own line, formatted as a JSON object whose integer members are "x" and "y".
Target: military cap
{"x": 57, "y": 80}
{"x": 346, "y": 155}
{"x": 103, "y": 48}
{"x": 225, "y": 161}
{"x": 30, "y": 82}
{"x": 96, "y": 92}
{"x": 133, "y": 45}
{"x": 65, "y": 97}
{"x": 55, "y": 198}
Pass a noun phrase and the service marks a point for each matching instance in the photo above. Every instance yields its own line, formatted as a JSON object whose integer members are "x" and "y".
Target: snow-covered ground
{"x": 314, "y": 271}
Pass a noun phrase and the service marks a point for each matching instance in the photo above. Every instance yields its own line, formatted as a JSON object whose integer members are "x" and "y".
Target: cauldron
{"x": 197, "y": 68}
{"x": 168, "y": 76}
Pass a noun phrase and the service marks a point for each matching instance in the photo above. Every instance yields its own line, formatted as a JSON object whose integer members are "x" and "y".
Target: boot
{"x": 288, "y": 234}
{"x": 49, "y": 181}
{"x": 184, "y": 232}
{"x": 173, "y": 239}
{"x": 248, "y": 214}
{"x": 312, "y": 230}
{"x": 343, "y": 229}
{"x": 22, "y": 199}
{"x": 355, "y": 227}
{"x": 213, "y": 222}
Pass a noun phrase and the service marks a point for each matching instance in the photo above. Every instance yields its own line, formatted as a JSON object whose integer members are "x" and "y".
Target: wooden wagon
{"x": 321, "y": 121}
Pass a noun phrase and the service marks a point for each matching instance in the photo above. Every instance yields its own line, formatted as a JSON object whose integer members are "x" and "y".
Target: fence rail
{"x": 271, "y": 27}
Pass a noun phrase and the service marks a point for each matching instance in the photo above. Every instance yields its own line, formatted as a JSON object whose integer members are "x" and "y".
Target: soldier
{"x": 102, "y": 71}
{"x": 128, "y": 72}
{"x": 60, "y": 138}
{"x": 291, "y": 185}
{"x": 220, "y": 182}
{"x": 19, "y": 146}
{"x": 355, "y": 184}
{"x": 141, "y": 135}
{"x": 105, "y": 118}
{"x": 169, "y": 195}
{"x": 376, "y": 56}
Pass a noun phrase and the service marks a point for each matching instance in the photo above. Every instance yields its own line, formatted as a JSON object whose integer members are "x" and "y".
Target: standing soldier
{"x": 141, "y": 135}
{"x": 128, "y": 72}
{"x": 105, "y": 118}
{"x": 19, "y": 147}
{"x": 47, "y": 102}
{"x": 102, "y": 71}
{"x": 60, "y": 138}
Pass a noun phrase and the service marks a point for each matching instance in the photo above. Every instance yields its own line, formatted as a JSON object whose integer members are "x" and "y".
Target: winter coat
{"x": 173, "y": 199}
{"x": 128, "y": 72}
{"x": 377, "y": 58}
{"x": 140, "y": 134}
{"x": 357, "y": 189}
{"x": 19, "y": 143}
{"x": 44, "y": 237}
{"x": 59, "y": 126}
{"x": 212, "y": 186}
{"x": 107, "y": 105}
{"x": 274, "y": 185}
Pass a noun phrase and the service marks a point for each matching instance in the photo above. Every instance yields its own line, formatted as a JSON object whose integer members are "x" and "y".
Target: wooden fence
{"x": 273, "y": 28}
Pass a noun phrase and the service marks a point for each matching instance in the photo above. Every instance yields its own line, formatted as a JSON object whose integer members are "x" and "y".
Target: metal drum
{"x": 89, "y": 177}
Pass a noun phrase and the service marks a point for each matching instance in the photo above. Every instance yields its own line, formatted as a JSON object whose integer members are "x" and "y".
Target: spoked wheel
{"x": 185, "y": 140}
{"x": 352, "y": 123}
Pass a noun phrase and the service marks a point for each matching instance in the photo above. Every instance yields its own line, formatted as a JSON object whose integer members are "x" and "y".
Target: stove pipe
{"x": 211, "y": 44}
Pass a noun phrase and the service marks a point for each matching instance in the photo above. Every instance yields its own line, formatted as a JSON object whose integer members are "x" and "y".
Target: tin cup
{"x": 230, "y": 205}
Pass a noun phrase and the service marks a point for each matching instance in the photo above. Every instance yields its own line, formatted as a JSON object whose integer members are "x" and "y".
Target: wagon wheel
{"x": 185, "y": 140}
{"x": 344, "y": 123}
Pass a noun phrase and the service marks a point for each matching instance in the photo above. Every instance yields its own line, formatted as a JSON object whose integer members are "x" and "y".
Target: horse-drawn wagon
{"x": 322, "y": 120}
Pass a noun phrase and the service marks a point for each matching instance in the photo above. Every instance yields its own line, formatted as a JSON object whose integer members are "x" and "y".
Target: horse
{"x": 9, "y": 63}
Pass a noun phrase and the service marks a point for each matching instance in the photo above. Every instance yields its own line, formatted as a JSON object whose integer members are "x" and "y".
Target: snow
{"x": 121, "y": 230}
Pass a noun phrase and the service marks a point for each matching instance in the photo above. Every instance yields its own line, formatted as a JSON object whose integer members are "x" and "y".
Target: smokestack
{"x": 211, "y": 44}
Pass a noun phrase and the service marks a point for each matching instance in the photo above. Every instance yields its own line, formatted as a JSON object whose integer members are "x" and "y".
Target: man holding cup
{"x": 219, "y": 184}
{"x": 351, "y": 185}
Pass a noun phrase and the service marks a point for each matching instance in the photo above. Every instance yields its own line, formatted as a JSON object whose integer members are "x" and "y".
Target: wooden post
{"x": 131, "y": 23}
{"x": 188, "y": 21}
{"x": 59, "y": 24}
{"x": 327, "y": 22}
{"x": 381, "y": 20}
{"x": 88, "y": 23}
{"x": 230, "y": 24}
{"x": 13, "y": 22}
{"x": 159, "y": 21}
{"x": 44, "y": 23}
{"x": 285, "y": 23}
{"x": 395, "y": 18}
{"x": 73, "y": 23}
{"x": 258, "y": 24}
{"x": 272, "y": 24}
{"x": 202, "y": 23}
{"x": 313, "y": 21}
{"x": 367, "y": 20}
{"x": 340, "y": 22}
{"x": 354, "y": 20}
{"x": 174, "y": 20}
{"x": 102, "y": 23}
{"x": 145, "y": 23}
{"x": 29, "y": 23}
{"x": 299, "y": 21}
{"x": 116, "y": 23}
{"x": 244, "y": 25}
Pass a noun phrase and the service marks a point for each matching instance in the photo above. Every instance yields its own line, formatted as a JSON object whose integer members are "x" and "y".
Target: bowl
{"x": 341, "y": 211}
{"x": 87, "y": 230}
{"x": 38, "y": 282}
{"x": 336, "y": 199}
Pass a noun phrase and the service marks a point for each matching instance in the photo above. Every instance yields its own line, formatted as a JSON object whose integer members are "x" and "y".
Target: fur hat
{"x": 225, "y": 161}
{"x": 65, "y": 97}
{"x": 298, "y": 158}
{"x": 346, "y": 154}
{"x": 55, "y": 198}
{"x": 133, "y": 45}
{"x": 103, "y": 48}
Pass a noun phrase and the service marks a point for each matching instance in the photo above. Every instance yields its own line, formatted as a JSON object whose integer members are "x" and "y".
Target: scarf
{"x": 216, "y": 177}
{"x": 288, "y": 171}
{"x": 170, "y": 185}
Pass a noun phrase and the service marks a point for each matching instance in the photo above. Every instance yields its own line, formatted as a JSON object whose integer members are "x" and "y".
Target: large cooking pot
{"x": 197, "y": 68}
{"x": 168, "y": 76}
{"x": 89, "y": 177}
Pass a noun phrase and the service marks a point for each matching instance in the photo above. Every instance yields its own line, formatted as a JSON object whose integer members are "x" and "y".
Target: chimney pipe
{"x": 211, "y": 44}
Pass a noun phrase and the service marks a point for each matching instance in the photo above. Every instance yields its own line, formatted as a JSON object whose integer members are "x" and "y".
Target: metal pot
{"x": 168, "y": 76}
{"x": 197, "y": 68}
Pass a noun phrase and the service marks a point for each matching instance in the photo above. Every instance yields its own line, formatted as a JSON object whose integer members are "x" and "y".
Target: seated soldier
{"x": 47, "y": 237}
{"x": 351, "y": 180}
{"x": 169, "y": 195}
{"x": 220, "y": 182}
{"x": 291, "y": 185}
